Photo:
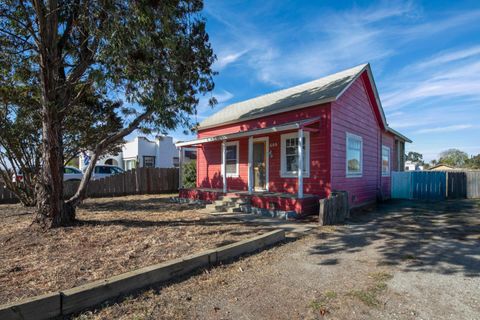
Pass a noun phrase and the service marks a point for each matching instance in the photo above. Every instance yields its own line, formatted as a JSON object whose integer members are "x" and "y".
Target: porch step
{"x": 229, "y": 204}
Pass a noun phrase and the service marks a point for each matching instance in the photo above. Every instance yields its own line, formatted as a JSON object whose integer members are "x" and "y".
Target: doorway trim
{"x": 267, "y": 160}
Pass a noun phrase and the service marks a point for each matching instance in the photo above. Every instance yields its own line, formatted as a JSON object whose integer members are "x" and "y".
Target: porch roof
{"x": 248, "y": 133}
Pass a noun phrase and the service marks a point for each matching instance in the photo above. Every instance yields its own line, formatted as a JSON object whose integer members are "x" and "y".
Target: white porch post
{"x": 224, "y": 166}
{"x": 250, "y": 164}
{"x": 300, "y": 163}
{"x": 180, "y": 168}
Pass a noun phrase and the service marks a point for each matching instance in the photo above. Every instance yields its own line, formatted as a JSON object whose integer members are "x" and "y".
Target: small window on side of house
{"x": 385, "y": 161}
{"x": 354, "y": 155}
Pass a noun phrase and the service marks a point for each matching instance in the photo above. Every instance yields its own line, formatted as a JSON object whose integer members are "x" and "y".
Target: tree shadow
{"x": 155, "y": 205}
{"x": 133, "y": 223}
{"x": 439, "y": 237}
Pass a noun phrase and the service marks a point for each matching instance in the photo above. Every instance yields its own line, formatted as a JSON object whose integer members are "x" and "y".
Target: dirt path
{"x": 405, "y": 261}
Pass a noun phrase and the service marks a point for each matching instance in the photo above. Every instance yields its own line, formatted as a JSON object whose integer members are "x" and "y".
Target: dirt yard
{"x": 405, "y": 260}
{"x": 113, "y": 235}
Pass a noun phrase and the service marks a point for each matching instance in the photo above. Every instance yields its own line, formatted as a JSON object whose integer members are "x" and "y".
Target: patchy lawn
{"x": 406, "y": 260}
{"x": 113, "y": 235}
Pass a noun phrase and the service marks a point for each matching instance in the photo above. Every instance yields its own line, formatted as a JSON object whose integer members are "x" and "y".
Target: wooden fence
{"x": 136, "y": 181}
{"x": 436, "y": 185}
{"x": 6, "y": 196}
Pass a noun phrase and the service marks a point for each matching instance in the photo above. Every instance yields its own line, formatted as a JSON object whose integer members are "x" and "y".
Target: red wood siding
{"x": 318, "y": 183}
{"x": 354, "y": 113}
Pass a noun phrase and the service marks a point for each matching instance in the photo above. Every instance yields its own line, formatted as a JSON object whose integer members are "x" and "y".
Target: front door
{"x": 260, "y": 165}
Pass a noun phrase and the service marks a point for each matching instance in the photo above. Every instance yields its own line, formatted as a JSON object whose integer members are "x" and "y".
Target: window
{"x": 130, "y": 164}
{"x": 176, "y": 162}
{"x": 148, "y": 161}
{"x": 289, "y": 155}
{"x": 231, "y": 159}
{"x": 71, "y": 171}
{"x": 190, "y": 155}
{"x": 103, "y": 170}
{"x": 354, "y": 159}
{"x": 385, "y": 161}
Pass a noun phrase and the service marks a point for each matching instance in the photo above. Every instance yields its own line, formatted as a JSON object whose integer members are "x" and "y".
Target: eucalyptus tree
{"x": 153, "y": 55}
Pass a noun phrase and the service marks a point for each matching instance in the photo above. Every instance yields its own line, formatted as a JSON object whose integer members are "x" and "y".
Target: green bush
{"x": 190, "y": 174}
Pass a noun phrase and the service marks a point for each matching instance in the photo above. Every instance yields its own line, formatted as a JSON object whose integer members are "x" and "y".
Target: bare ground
{"x": 406, "y": 260}
{"x": 113, "y": 235}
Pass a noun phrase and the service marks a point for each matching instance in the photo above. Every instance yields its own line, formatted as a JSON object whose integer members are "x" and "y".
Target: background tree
{"x": 414, "y": 157}
{"x": 474, "y": 162}
{"x": 20, "y": 135}
{"x": 155, "y": 55}
{"x": 453, "y": 157}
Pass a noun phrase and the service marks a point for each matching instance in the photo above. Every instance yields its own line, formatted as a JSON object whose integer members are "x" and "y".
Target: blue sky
{"x": 425, "y": 58}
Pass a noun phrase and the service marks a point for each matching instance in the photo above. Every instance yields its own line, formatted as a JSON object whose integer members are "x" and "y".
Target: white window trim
{"x": 353, "y": 174}
{"x": 236, "y": 144}
{"x": 386, "y": 174}
{"x": 283, "y": 155}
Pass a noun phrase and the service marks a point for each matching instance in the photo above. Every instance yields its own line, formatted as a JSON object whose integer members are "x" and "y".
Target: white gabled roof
{"x": 318, "y": 91}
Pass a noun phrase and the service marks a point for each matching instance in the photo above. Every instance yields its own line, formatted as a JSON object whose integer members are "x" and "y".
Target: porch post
{"x": 180, "y": 168}
{"x": 300, "y": 163}
{"x": 224, "y": 166}
{"x": 250, "y": 164}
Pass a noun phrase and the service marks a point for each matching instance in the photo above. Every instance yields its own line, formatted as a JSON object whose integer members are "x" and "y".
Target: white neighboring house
{"x": 413, "y": 166}
{"x": 142, "y": 152}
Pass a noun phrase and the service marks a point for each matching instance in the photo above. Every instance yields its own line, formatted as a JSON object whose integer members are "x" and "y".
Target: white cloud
{"x": 204, "y": 109}
{"x": 451, "y": 79}
{"x": 452, "y": 128}
{"x": 224, "y": 59}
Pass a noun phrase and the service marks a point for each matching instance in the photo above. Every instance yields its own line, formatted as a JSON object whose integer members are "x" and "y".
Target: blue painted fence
{"x": 421, "y": 185}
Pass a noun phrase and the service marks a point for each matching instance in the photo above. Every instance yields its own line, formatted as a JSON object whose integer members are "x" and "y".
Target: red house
{"x": 286, "y": 149}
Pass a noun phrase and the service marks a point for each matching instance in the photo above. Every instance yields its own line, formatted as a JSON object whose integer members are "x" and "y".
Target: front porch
{"x": 269, "y": 203}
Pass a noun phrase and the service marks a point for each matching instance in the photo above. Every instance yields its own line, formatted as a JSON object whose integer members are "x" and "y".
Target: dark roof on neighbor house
{"x": 323, "y": 90}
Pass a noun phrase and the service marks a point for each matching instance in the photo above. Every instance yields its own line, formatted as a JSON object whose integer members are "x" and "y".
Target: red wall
{"x": 354, "y": 113}
{"x": 209, "y": 157}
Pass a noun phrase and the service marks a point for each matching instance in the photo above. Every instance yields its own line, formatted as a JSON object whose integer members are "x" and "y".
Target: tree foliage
{"x": 189, "y": 175}
{"x": 153, "y": 55}
{"x": 414, "y": 157}
{"x": 453, "y": 157}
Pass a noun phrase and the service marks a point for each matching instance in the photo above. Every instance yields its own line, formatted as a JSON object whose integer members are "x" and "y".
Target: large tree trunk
{"x": 51, "y": 208}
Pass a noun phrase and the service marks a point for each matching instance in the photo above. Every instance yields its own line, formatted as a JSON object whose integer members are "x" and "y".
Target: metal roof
{"x": 322, "y": 90}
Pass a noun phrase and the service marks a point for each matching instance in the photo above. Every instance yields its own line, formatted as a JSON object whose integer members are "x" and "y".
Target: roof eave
{"x": 398, "y": 134}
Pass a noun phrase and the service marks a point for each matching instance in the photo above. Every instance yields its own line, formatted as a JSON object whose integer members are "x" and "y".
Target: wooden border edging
{"x": 94, "y": 293}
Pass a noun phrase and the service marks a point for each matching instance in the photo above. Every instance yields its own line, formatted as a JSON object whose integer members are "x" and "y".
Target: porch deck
{"x": 283, "y": 201}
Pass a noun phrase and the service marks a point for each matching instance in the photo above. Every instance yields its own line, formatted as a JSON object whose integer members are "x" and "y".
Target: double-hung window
{"x": 289, "y": 155}
{"x": 231, "y": 159}
{"x": 385, "y": 161}
{"x": 354, "y": 156}
{"x": 148, "y": 161}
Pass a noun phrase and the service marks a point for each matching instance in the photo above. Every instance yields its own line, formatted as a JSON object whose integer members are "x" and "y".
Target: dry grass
{"x": 113, "y": 235}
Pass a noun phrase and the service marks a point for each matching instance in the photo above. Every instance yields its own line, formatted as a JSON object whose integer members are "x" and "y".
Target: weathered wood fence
{"x": 334, "y": 209}
{"x": 136, "y": 181}
{"x": 436, "y": 185}
{"x": 6, "y": 196}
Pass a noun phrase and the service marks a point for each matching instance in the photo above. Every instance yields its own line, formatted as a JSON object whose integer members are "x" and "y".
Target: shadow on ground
{"x": 149, "y": 204}
{"x": 440, "y": 237}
